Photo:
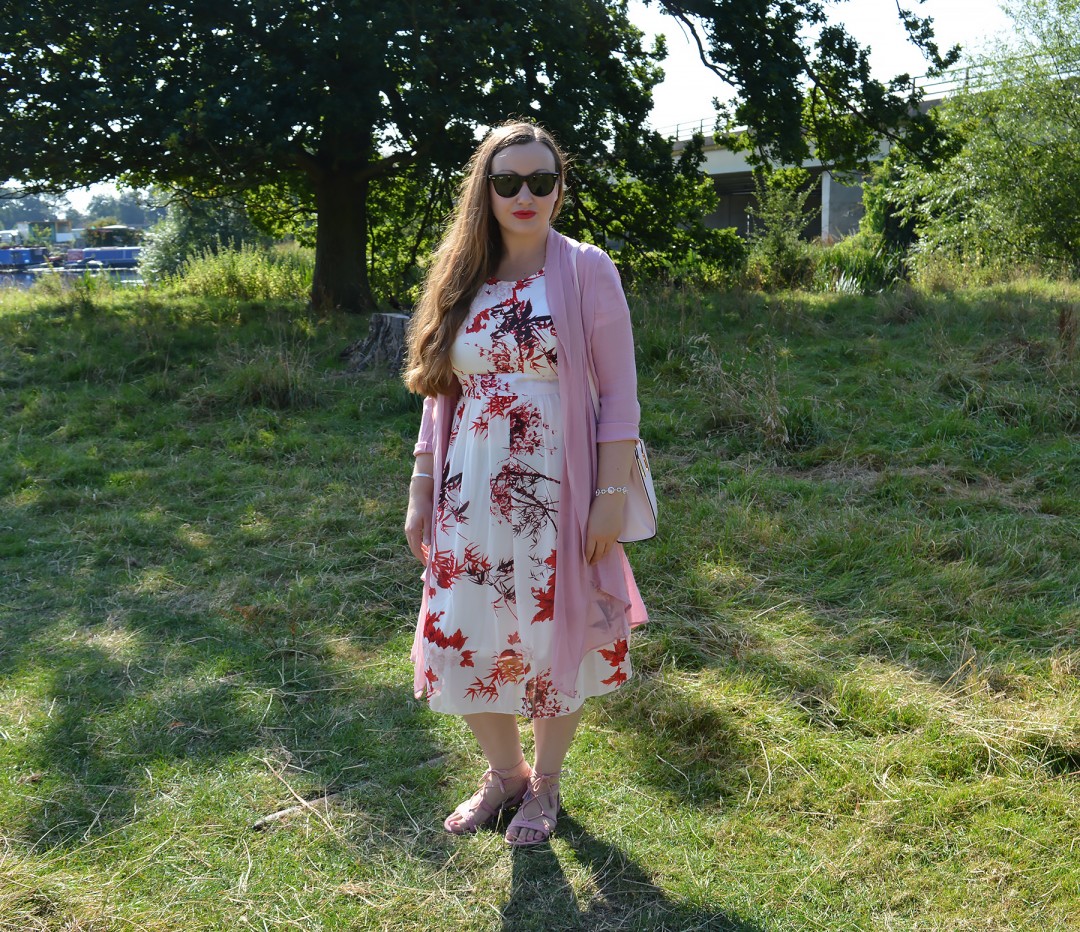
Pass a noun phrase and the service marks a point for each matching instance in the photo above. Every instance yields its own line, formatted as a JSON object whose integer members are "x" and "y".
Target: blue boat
{"x": 109, "y": 257}
{"x": 20, "y": 258}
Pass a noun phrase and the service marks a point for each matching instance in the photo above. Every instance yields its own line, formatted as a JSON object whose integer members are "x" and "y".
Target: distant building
{"x": 53, "y": 232}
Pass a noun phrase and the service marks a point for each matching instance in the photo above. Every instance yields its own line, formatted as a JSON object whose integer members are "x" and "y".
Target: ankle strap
{"x": 509, "y": 771}
{"x": 502, "y": 775}
{"x": 538, "y": 777}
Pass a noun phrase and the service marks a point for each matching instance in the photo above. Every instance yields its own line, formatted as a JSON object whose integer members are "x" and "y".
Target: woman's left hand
{"x": 605, "y": 526}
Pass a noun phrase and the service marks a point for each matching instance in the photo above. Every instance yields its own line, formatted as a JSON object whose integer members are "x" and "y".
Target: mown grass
{"x": 858, "y": 702}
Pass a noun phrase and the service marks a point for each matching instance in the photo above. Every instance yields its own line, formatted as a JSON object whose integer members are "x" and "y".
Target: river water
{"x": 69, "y": 277}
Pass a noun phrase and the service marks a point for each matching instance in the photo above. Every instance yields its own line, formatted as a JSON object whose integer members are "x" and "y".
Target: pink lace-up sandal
{"x": 476, "y": 811}
{"x": 539, "y": 786}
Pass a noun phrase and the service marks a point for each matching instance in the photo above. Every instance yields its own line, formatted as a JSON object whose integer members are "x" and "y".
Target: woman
{"x": 515, "y": 473}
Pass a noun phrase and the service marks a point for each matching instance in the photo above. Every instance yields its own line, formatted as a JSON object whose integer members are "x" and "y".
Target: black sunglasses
{"x": 507, "y": 184}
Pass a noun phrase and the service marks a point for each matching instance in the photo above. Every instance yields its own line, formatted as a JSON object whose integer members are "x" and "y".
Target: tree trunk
{"x": 341, "y": 279}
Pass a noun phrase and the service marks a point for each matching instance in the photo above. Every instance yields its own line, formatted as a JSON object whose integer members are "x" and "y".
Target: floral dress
{"x": 487, "y": 632}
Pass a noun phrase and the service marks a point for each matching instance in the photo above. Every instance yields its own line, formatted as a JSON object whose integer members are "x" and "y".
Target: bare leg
{"x": 499, "y": 738}
{"x": 552, "y": 737}
{"x": 500, "y": 741}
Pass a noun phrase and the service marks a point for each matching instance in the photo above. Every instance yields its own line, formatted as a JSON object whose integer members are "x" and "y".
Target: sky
{"x": 686, "y": 94}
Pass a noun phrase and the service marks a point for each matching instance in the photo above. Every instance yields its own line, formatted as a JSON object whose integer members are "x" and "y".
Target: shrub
{"x": 248, "y": 273}
{"x": 779, "y": 258}
{"x": 719, "y": 261}
{"x": 1003, "y": 196}
{"x": 859, "y": 264}
{"x": 885, "y": 213}
{"x": 192, "y": 228}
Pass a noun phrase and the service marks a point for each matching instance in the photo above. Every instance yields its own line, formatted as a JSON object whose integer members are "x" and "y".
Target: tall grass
{"x": 859, "y": 264}
{"x": 248, "y": 273}
{"x": 864, "y": 264}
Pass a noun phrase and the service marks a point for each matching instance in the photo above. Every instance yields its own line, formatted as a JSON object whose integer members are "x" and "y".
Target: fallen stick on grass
{"x": 311, "y": 804}
{"x": 262, "y": 823}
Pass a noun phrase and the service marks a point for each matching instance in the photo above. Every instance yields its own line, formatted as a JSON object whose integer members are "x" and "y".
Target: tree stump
{"x": 384, "y": 345}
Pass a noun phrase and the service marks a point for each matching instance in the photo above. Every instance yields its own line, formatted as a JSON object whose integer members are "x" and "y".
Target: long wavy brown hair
{"x": 468, "y": 255}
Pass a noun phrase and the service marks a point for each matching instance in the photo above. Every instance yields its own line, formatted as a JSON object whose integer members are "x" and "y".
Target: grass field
{"x": 857, "y": 704}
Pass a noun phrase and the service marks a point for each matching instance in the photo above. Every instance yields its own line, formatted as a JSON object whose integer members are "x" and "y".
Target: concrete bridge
{"x": 835, "y": 201}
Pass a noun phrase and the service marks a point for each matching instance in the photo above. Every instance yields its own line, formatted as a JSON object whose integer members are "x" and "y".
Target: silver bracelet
{"x": 421, "y": 475}
{"x": 611, "y": 490}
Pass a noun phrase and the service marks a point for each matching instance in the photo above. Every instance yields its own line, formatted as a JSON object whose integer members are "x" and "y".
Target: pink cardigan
{"x": 594, "y": 605}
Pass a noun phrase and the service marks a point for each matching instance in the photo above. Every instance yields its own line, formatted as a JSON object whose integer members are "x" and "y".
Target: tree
{"x": 1006, "y": 191}
{"x": 15, "y": 209}
{"x": 778, "y": 257}
{"x": 133, "y": 208}
{"x": 328, "y": 98}
{"x": 797, "y": 97}
{"x": 332, "y": 102}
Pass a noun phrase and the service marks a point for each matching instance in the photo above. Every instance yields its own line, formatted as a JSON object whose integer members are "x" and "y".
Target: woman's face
{"x": 525, "y": 213}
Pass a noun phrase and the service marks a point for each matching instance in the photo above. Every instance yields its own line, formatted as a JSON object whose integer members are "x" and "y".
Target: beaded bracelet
{"x": 611, "y": 490}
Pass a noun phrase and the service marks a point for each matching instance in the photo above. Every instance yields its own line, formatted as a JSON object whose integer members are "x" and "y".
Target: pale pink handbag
{"x": 639, "y": 518}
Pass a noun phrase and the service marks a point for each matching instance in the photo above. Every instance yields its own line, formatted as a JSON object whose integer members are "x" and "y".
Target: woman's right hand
{"x": 418, "y": 517}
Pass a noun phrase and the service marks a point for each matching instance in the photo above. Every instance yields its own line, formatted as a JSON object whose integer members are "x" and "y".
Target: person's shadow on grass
{"x": 623, "y": 896}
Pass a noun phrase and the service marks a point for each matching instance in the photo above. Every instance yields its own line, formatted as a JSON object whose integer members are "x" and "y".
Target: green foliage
{"x": 779, "y": 257}
{"x": 38, "y": 236}
{"x": 194, "y": 227}
{"x": 723, "y": 266}
{"x": 653, "y": 222}
{"x": 1005, "y": 195}
{"x": 22, "y": 209}
{"x": 246, "y": 273}
{"x": 407, "y": 211}
{"x": 306, "y": 108}
{"x": 841, "y": 138}
{"x": 883, "y": 198}
{"x": 283, "y": 207}
{"x": 131, "y": 207}
{"x": 860, "y": 264}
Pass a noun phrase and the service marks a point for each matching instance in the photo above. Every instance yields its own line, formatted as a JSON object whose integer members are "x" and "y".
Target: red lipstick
{"x": 524, "y": 214}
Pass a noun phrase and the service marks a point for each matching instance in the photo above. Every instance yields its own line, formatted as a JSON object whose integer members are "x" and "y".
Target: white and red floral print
{"x": 486, "y": 638}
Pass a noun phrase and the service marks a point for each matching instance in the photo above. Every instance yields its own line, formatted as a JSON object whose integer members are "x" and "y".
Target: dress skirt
{"x": 487, "y": 633}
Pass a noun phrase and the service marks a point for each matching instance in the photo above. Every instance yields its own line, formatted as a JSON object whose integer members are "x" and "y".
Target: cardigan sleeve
{"x": 425, "y": 441}
{"x": 612, "y": 343}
